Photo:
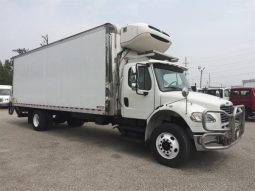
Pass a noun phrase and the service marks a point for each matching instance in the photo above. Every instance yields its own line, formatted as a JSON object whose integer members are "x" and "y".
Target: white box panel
{"x": 68, "y": 73}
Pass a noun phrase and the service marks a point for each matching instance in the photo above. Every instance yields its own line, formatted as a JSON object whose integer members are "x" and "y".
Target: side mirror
{"x": 133, "y": 85}
{"x": 133, "y": 78}
{"x": 185, "y": 92}
{"x": 134, "y": 81}
{"x": 133, "y": 69}
{"x": 217, "y": 93}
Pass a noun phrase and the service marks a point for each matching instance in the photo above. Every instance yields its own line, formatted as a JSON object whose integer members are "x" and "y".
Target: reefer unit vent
{"x": 143, "y": 37}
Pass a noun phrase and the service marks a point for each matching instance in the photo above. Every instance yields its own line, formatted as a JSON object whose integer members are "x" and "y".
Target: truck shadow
{"x": 206, "y": 161}
{"x": 109, "y": 139}
{"x": 103, "y": 137}
{"x": 250, "y": 119}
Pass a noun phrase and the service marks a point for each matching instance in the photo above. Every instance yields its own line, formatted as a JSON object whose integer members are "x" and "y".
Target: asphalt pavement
{"x": 97, "y": 157}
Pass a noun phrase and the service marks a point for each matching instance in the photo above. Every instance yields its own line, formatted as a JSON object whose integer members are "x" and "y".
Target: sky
{"x": 218, "y": 35}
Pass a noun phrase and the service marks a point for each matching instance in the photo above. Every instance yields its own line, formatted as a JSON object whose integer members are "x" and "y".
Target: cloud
{"x": 202, "y": 30}
{"x": 240, "y": 6}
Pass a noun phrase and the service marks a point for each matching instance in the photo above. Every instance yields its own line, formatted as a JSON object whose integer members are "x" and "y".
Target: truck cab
{"x": 158, "y": 92}
{"x": 155, "y": 89}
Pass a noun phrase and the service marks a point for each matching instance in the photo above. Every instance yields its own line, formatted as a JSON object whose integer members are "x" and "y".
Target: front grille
{"x": 227, "y": 109}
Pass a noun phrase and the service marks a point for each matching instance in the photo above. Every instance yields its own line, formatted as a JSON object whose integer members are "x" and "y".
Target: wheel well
{"x": 166, "y": 116}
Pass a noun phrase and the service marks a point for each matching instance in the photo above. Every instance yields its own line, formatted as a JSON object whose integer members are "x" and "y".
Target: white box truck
{"x": 122, "y": 77}
{"x": 5, "y": 94}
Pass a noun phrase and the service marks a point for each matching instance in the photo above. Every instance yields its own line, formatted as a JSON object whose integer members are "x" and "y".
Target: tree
{"x": 6, "y": 72}
{"x": 21, "y": 50}
{"x": 8, "y": 68}
{"x": 1, "y": 73}
{"x": 45, "y": 40}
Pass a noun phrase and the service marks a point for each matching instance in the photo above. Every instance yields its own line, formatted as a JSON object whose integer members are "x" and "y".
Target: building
{"x": 249, "y": 83}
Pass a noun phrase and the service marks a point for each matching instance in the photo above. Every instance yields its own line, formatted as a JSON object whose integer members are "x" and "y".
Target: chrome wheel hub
{"x": 36, "y": 120}
{"x": 167, "y": 145}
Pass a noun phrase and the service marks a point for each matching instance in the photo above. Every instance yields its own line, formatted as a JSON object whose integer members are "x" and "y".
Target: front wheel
{"x": 170, "y": 145}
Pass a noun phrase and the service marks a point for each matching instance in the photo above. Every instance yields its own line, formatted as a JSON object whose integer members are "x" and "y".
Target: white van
{"x": 5, "y": 93}
{"x": 219, "y": 92}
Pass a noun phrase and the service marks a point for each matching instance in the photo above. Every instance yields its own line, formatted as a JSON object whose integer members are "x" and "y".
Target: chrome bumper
{"x": 222, "y": 138}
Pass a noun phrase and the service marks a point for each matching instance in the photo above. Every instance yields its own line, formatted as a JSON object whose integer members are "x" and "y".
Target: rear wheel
{"x": 41, "y": 120}
{"x": 59, "y": 119}
{"x": 170, "y": 145}
{"x": 75, "y": 122}
{"x": 30, "y": 117}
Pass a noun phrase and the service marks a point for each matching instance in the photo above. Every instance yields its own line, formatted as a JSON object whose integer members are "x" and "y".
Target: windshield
{"x": 170, "y": 78}
{"x": 5, "y": 92}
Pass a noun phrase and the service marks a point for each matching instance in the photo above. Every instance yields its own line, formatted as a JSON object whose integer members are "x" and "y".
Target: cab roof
{"x": 167, "y": 63}
{"x": 244, "y": 88}
{"x": 153, "y": 56}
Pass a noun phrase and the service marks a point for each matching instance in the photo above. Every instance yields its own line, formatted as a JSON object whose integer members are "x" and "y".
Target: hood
{"x": 207, "y": 101}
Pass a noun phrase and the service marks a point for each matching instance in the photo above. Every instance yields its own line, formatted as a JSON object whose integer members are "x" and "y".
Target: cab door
{"x": 137, "y": 102}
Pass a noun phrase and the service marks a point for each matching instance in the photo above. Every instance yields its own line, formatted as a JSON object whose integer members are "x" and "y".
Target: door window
{"x": 240, "y": 92}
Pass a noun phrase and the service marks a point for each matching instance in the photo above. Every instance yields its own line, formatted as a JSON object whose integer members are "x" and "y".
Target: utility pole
{"x": 186, "y": 65}
{"x": 201, "y": 74}
{"x": 209, "y": 80}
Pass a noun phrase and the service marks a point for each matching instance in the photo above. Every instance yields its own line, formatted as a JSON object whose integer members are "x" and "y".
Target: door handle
{"x": 126, "y": 102}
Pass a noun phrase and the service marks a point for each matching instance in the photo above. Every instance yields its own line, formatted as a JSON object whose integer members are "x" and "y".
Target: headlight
{"x": 197, "y": 117}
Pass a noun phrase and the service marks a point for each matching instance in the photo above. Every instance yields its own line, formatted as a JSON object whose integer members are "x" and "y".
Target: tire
{"x": 122, "y": 132}
{"x": 10, "y": 108}
{"x": 75, "y": 122}
{"x": 30, "y": 117}
{"x": 41, "y": 120}
{"x": 246, "y": 117}
{"x": 247, "y": 113}
{"x": 59, "y": 119}
{"x": 170, "y": 145}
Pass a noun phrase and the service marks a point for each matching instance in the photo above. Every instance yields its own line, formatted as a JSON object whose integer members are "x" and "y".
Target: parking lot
{"x": 98, "y": 158}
